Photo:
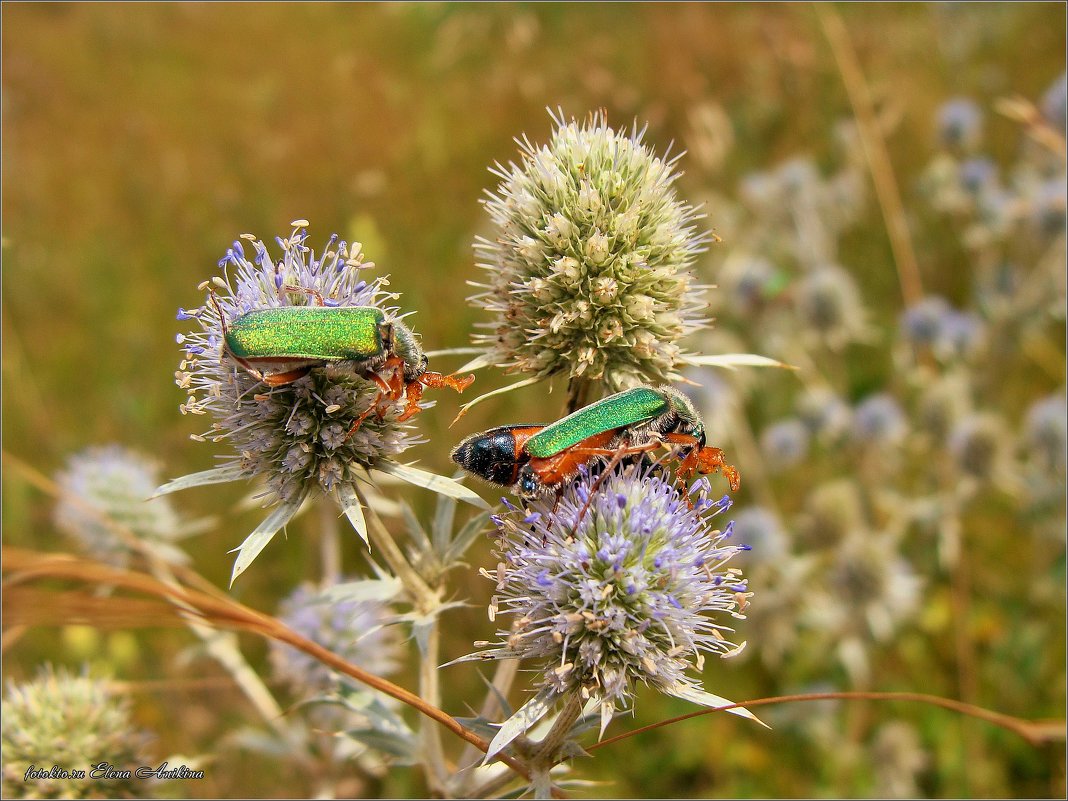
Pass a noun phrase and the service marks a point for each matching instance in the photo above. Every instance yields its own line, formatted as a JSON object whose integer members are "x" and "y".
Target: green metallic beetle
{"x": 296, "y": 339}
{"x": 536, "y": 458}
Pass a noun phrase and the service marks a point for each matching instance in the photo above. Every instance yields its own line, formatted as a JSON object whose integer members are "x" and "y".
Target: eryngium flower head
{"x": 960, "y": 124}
{"x": 73, "y": 722}
{"x": 292, "y": 436}
{"x": 879, "y": 419}
{"x": 1046, "y": 436}
{"x": 590, "y": 267}
{"x": 827, "y": 417}
{"x": 921, "y": 323}
{"x": 869, "y": 592}
{"x": 1055, "y": 103}
{"x": 785, "y": 443}
{"x": 950, "y": 333}
{"x": 943, "y": 404}
{"x": 626, "y": 593}
{"x": 357, "y": 631}
{"x": 760, "y": 529}
{"x": 979, "y": 444}
{"x": 829, "y": 305}
{"x": 103, "y": 494}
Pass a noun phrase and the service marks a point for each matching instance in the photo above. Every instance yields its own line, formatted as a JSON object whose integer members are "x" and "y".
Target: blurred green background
{"x": 140, "y": 139}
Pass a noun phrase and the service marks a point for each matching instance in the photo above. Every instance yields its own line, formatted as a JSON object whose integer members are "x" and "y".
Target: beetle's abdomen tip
{"x": 490, "y": 456}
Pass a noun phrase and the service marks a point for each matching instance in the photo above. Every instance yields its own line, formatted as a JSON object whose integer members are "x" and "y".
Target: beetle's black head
{"x": 491, "y": 455}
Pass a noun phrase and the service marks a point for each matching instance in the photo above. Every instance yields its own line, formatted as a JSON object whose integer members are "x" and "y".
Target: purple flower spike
{"x": 633, "y": 581}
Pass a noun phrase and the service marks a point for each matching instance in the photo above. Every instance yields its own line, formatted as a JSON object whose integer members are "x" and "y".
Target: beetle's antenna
{"x": 219, "y": 311}
{"x": 305, "y": 290}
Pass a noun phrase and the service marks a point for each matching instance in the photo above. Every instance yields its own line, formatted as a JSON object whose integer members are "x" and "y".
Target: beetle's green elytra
{"x": 328, "y": 333}
{"x": 616, "y": 411}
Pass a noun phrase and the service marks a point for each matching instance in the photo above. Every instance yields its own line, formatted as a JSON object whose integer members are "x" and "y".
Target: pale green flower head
{"x": 75, "y": 723}
{"x": 590, "y": 267}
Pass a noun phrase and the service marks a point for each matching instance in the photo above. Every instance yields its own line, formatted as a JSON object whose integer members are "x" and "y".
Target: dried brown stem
{"x": 23, "y": 565}
{"x": 882, "y": 171}
{"x": 1035, "y": 732}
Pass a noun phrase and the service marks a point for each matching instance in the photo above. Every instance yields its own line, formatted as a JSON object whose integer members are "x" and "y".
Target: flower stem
{"x": 329, "y": 542}
{"x": 426, "y": 600}
{"x": 578, "y": 394}
{"x": 423, "y": 597}
{"x": 545, "y": 751}
{"x": 429, "y": 731}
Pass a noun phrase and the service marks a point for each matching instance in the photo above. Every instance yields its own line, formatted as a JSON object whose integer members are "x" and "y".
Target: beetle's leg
{"x": 313, "y": 292}
{"x": 617, "y": 456}
{"x": 226, "y": 333}
{"x": 392, "y": 388}
{"x": 219, "y": 311}
{"x": 710, "y": 459}
{"x": 384, "y": 389}
{"x": 386, "y": 393}
{"x": 556, "y": 503}
{"x": 691, "y": 446}
{"x": 703, "y": 460}
{"x": 625, "y": 450}
{"x": 413, "y": 392}
{"x": 356, "y": 423}
{"x": 437, "y": 380}
{"x": 279, "y": 379}
{"x": 687, "y": 465}
{"x": 395, "y": 365}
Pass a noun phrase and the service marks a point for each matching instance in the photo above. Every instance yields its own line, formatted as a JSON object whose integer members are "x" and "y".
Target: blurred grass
{"x": 139, "y": 140}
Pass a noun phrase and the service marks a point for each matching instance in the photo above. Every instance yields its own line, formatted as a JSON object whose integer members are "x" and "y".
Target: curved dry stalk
{"x": 24, "y": 565}
{"x": 1023, "y": 111}
{"x": 226, "y": 653}
{"x": 1035, "y": 732}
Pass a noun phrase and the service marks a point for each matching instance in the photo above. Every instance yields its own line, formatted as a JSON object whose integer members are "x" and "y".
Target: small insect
{"x": 296, "y": 339}
{"x": 536, "y": 458}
